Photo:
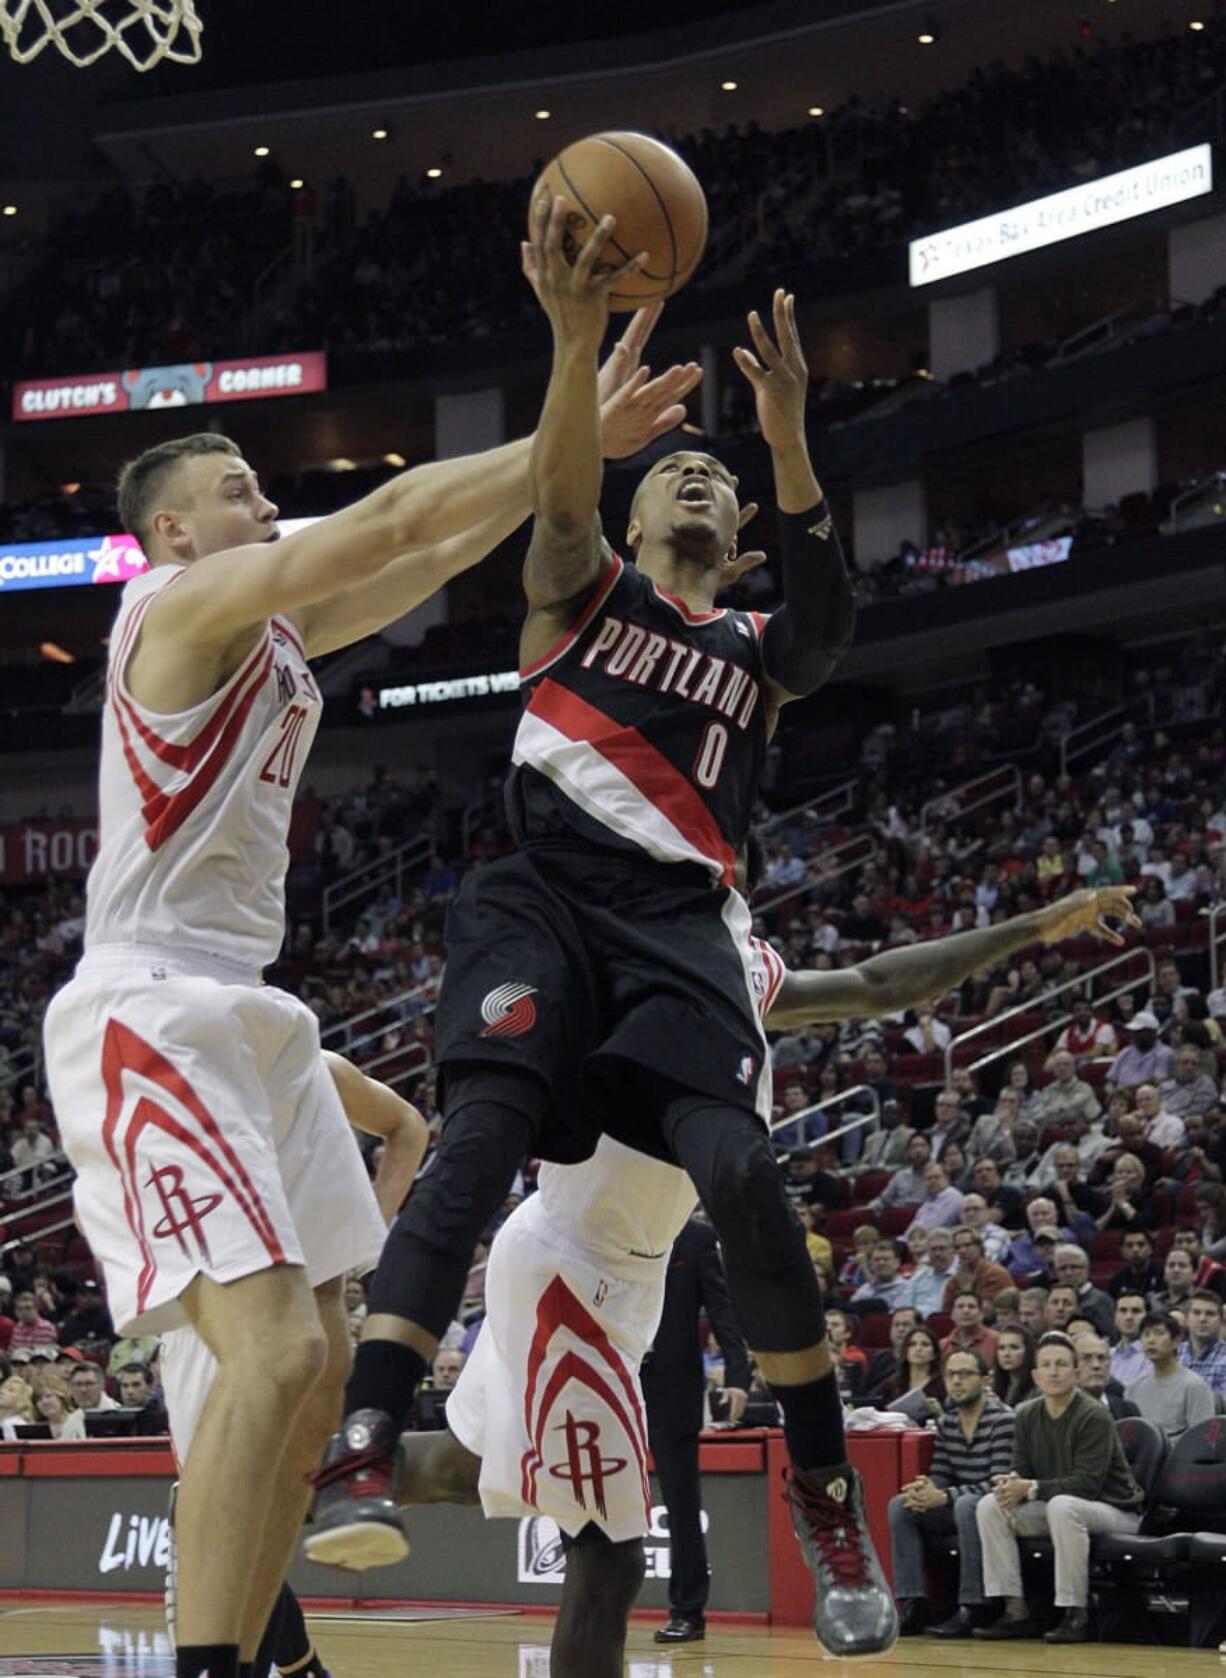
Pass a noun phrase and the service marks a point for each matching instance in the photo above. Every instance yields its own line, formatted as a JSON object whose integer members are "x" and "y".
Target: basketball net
{"x": 144, "y": 31}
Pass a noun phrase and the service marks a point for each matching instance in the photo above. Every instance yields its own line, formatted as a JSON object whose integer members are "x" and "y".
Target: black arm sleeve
{"x": 718, "y": 1306}
{"x": 809, "y": 634}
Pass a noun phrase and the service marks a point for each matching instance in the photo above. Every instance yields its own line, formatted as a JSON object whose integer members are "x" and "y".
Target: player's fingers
{"x": 761, "y": 340}
{"x": 668, "y": 420}
{"x": 607, "y": 281}
{"x": 593, "y": 245}
{"x": 642, "y": 325}
{"x": 795, "y": 349}
{"x": 540, "y": 221}
{"x": 747, "y": 512}
{"x": 749, "y": 365}
{"x": 674, "y": 383}
{"x": 528, "y": 262}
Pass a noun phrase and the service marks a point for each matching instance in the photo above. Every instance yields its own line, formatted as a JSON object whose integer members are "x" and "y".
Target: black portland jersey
{"x": 644, "y": 728}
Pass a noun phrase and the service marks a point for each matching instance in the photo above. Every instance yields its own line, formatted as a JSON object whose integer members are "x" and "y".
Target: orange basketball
{"x": 659, "y": 205}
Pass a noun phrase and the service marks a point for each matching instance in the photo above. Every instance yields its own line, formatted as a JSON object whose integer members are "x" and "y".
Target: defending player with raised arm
{"x": 685, "y": 517}
{"x": 919, "y": 973}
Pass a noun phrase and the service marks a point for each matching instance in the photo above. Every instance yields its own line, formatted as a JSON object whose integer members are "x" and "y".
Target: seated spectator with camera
{"x": 1069, "y": 1478}
{"x": 974, "y": 1443}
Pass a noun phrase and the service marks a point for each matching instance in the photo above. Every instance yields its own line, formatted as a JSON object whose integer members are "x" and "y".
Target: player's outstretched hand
{"x": 736, "y": 564}
{"x": 778, "y": 373}
{"x": 1090, "y": 911}
{"x": 574, "y": 286}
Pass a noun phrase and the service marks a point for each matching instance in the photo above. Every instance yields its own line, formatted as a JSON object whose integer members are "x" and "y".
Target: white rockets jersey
{"x": 621, "y": 1201}
{"x": 194, "y": 807}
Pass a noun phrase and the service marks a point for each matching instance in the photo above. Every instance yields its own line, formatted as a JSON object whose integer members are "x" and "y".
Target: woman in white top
{"x": 55, "y": 1406}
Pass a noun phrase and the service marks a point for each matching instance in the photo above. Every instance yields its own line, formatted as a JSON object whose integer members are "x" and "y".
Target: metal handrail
{"x": 1078, "y": 982}
{"x": 1117, "y": 717}
{"x": 845, "y": 861}
{"x": 51, "y": 1229}
{"x": 370, "y": 876}
{"x": 420, "y": 1063}
{"x": 834, "y": 1101}
{"x": 22, "y": 1067}
{"x": 844, "y": 796}
{"x": 939, "y": 807}
{"x": 1194, "y": 492}
{"x": 57, "y": 1158}
{"x": 1213, "y": 914}
{"x": 413, "y": 994}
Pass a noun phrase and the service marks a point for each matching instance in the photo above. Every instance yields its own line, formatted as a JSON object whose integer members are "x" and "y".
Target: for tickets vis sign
{"x": 184, "y": 385}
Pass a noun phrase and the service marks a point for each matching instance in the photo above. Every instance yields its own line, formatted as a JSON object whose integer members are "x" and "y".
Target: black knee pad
{"x": 493, "y": 1117}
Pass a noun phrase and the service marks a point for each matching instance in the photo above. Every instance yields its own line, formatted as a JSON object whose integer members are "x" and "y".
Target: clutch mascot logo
{"x": 182, "y": 386}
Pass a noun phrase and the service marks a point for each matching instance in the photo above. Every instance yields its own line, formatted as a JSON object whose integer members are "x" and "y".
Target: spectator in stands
{"x": 886, "y": 1148}
{"x": 1192, "y": 1163}
{"x": 1006, "y": 1307}
{"x": 33, "y": 1152}
{"x": 1163, "y": 1130}
{"x": 941, "y": 1206}
{"x": 1189, "y": 1089}
{"x": 16, "y": 1405}
{"x": 1140, "y": 1273}
{"x": 1178, "y": 1282}
{"x": 89, "y": 1318}
{"x": 970, "y": 1333}
{"x": 55, "y": 1406}
{"x": 992, "y": 1135}
{"x": 1144, "y": 1059}
{"x": 138, "y": 1348}
{"x": 885, "y": 1288}
{"x": 1095, "y": 1378}
{"x": 1025, "y": 1256}
{"x": 950, "y": 1124}
{"x": 1085, "y": 1037}
{"x": 932, "y": 1278}
{"x": 1211, "y": 1210}
{"x": 33, "y": 1329}
{"x": 136, "y": 1393}
{"x": 850, "y": 1362}
{"x": 1170, "y": 1395}
{"x": 1071, "y": 1265}
{"x": 1126, "y": 1203}
{"x": 1013, "y": 1376}
{"x": 1128, "y": 1360}
{"x": 974, "y": 1443}
{"x": 977, "y": 1215}
{"x": 1204, "y": 1350}
{"x": 929, "y": 1035}
{"x": 1066, "y": 1097}
{"x": 855, "y": 1266}
{"x": 916, "y": 1387}
{"x": 1032, "y": 1310}
{"x": 883, "y": 1364}
{"x": 1206, "y": 1271}
{"x": 976, "y": 1273}
{"x": 1181, "y": 881}
{"x": 1061, "y": 1307}
{"x": 907, "y": 1187}
{"x": 1069, "y": 1478}
{"x": 1156, "y": 910}
{"x": 89, "y": 1389}
{"x": 1026, "y": 1156}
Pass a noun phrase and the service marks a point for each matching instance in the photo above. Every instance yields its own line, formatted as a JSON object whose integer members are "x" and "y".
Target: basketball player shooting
{"x": 588, "y": 1254}
{"x": 217, "y": 1182}
{"x": 604, "y": 970}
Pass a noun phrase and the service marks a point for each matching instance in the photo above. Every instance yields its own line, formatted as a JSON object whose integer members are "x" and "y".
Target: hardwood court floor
{"x": 93, "y": 1641}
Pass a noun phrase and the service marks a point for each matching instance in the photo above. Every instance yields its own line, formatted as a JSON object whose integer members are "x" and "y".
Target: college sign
{"x": 187, "y": 384}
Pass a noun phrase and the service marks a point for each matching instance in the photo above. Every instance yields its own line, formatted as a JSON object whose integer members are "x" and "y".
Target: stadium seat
{"x": 875, "y": 1330}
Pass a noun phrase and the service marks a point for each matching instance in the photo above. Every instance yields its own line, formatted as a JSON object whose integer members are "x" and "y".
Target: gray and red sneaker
{"x": 853, "y": 1609}
{"x": 354, "y": 1520}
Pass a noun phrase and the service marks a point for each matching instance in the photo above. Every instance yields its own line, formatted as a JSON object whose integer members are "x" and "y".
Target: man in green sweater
{"x": 1069, "y": 1479}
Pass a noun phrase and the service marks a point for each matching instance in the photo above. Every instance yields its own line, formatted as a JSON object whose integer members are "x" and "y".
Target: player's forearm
{"x": 444, "y": 498}
{"x": 796, "y": 485}
{"x": 402, "y": 1157}
{"x": 567, "y": 463}
{"x": 918, "y": 973}
{"x": 813, "y": 629}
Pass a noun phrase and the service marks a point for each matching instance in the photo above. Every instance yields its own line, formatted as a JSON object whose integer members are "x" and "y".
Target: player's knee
{"x": 608, "y": 1575}
{"x": 750, "y": 1211}
{"x": 294, "y": 1364}
{"x": 482, "y": 1146}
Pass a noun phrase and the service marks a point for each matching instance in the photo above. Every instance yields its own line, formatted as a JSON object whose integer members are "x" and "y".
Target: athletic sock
{"x": 292, "y": 1651}
{"x": 385, "y": 1377}
{"x": 813, "y": 1423}
{"x": 206, "y": 1660}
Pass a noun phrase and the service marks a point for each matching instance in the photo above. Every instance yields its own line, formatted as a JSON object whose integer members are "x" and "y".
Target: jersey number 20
{"x": 278, "y": 767}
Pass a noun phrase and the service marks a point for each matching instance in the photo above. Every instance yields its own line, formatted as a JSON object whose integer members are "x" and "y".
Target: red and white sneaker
{"x": 354, "y": 1520}
{"x": 853, "y": 1609}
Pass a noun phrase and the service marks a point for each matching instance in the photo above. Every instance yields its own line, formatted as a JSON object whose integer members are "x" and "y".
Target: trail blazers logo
{"x": 509, "y": 1011}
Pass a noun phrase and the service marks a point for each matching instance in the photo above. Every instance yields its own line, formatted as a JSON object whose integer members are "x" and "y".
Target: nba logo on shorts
{"x": 509, "y": 1011}
{"x": 746, "y": 1070}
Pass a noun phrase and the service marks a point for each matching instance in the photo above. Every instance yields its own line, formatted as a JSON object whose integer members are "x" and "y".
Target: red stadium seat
{"x": 841, "y": 1226}
{"x": 896, "y": 1220}
{"x": 875, "y": 1330}
{"x": 870, "y": 1185}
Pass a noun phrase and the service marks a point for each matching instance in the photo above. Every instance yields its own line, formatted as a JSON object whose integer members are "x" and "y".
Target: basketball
{"x": 655, "y": 195}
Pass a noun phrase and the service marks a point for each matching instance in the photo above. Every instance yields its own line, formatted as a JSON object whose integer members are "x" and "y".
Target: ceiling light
{"x": 434, "y": 174}
{"x": 816, "y": 111}
{"x": 926, "y": 38}
{"x": 262, "y": 151}
{"x": 542, "y": 116}
{"x": 297, "y": 184}
{"x": 728, "y": 87}
{"x": 10, "y": 209}
{"x": 1196, "y": 24}
{"x": 379, "y": 134}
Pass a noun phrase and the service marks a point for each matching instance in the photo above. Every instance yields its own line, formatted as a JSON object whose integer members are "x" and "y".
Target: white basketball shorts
{"x": 550, "y": 1397}
{"x": 206, "y": 1134}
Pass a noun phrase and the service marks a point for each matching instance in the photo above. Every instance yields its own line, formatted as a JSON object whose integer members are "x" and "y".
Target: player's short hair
{"x": 143, "y": 481}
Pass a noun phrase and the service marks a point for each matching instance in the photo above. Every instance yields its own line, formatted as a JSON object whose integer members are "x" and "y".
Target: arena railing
{"x": 43, "y": 1198}
{"x": 831, "y": 864}
{"x": 370, "y": 877}
{"x": 394, "y": 1012}
{"x": 1216, "y": 939}
{"x": 825, "y": 807}
{"x": 859, "y": 1091}
{"x": 1080, "y": 983}
{"x": 1092, "y": 736}
{"x": 21, "y": 1068}
{"x": 1004, "y": 782}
